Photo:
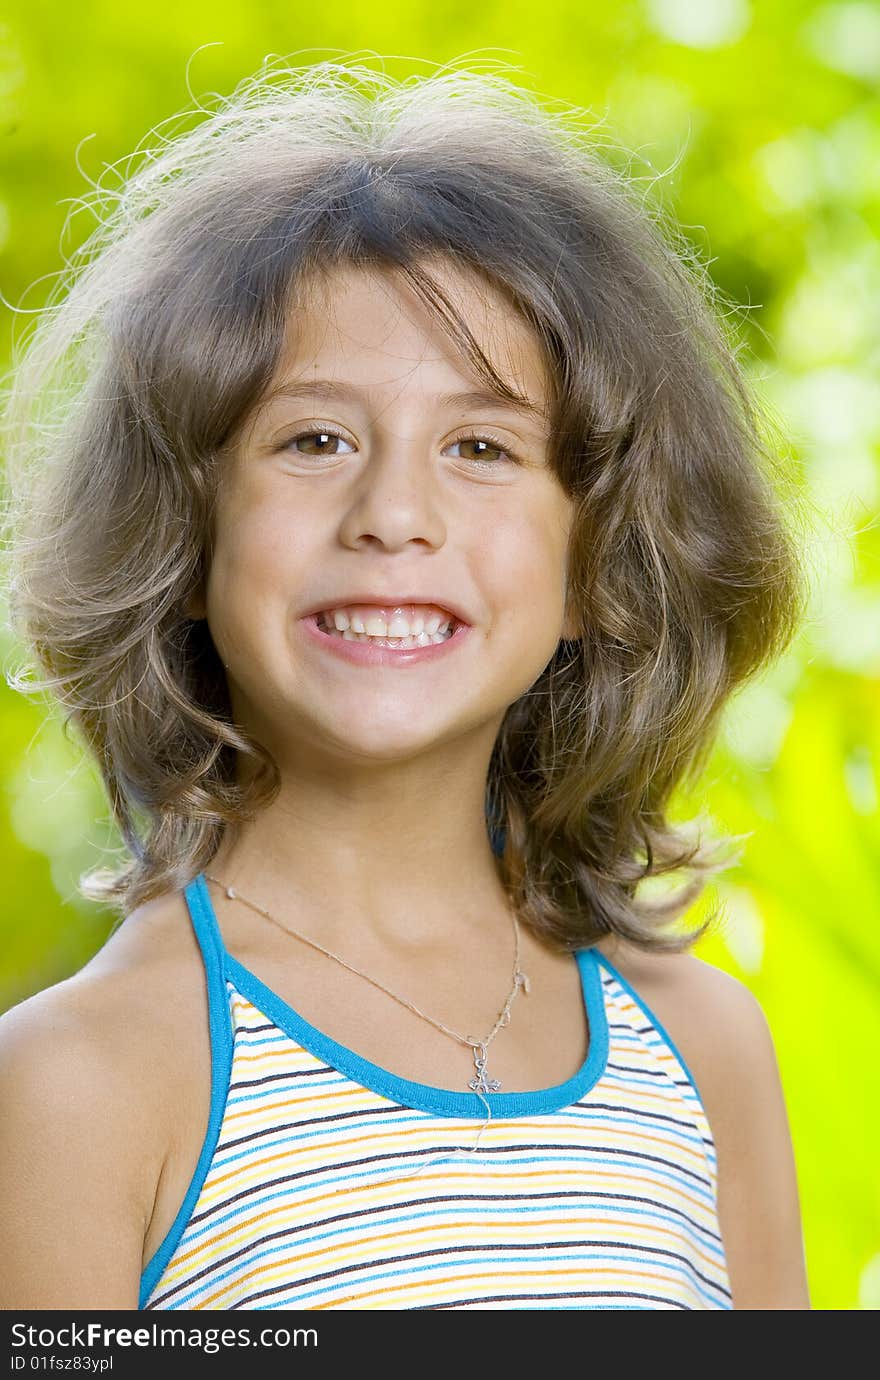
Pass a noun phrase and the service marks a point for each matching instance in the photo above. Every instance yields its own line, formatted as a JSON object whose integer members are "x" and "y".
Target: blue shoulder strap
{"x": 207, "y": 931}
{"x": 204, "y": 922}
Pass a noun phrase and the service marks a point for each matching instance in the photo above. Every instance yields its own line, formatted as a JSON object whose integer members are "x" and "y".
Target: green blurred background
{"x": 757, "y": 128}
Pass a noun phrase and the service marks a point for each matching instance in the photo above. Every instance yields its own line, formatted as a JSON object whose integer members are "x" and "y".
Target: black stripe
{"x": 254, "y": 1136}
{"x": 572, "y": 1294}
{"x": 391, "y": 1155}
{"x": 560, "y": 1194}
{"x": 648, "y": 1073}
{"x": 585, "y": 1103}
{"x": 631, "y": 1111}
{"x": 652, "y": 1073}
{"x": 273, "y": 1077}
{"x": 405, "y": 1259}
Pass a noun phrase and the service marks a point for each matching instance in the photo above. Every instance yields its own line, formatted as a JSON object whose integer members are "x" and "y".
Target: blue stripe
{"x": 279, "y": 1086}
{"x": 516, "y": 1210}
{"x": 701, "y": 1235}
{"x": 409, "y": 1104}
{"x": 269, "y": 1140}
{"x": 421, "y": 1096}
{"x": 394, "y": 1170}
{"x": 494, "y": 1259}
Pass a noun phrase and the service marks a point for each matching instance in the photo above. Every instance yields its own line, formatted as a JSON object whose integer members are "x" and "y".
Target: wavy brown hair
{"x": 684, "y": 565}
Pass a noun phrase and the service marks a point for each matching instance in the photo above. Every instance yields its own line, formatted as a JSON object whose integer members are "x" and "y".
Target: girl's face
{"x": 378, "y": 471}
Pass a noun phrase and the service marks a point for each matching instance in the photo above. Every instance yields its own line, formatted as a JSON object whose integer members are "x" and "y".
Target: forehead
{"x": 371, "y": 326}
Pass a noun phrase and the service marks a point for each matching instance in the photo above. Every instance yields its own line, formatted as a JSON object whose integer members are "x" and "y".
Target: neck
{"x": 402, "y": 857}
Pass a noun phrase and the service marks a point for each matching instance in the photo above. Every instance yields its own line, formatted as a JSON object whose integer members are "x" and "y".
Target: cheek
{"x": 256, "y": 543}
{"x": 253, "y": 571}
{"x": 529, "y": 559}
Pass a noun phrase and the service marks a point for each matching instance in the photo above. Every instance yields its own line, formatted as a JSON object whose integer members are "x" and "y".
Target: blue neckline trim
{"x": 422, "y": 1096}
{"x": 220, "y": 964}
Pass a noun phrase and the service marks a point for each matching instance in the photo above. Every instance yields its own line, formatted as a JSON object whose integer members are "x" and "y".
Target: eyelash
{"x": 483, "y": 436}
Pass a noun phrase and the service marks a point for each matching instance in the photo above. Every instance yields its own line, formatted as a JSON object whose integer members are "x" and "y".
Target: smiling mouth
{"x": 406, "y": 643}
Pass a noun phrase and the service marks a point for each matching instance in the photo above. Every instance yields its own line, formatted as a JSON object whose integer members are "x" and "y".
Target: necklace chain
{"x": 481, "y": 1082}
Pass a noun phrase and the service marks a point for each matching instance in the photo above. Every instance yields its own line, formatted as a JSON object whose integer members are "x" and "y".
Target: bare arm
{"x": 722, "y": 1033}
{"x": 74, "y": 1161}
{"x": 758, "y": 1201}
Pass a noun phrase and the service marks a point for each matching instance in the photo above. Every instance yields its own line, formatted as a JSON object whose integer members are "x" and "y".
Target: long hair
{"x": 683, "y": 566}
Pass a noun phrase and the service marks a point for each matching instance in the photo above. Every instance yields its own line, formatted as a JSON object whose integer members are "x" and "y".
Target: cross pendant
{"x": 482, "y": 1083}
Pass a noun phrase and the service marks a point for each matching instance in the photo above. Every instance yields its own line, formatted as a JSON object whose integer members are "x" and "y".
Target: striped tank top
{"x": 325, "y": 1181}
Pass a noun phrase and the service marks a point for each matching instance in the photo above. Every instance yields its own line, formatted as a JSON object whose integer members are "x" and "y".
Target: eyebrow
{"x": 477, "y": 397}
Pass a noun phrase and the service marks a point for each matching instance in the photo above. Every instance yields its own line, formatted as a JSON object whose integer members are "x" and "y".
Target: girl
{"x": 396, "y": 536}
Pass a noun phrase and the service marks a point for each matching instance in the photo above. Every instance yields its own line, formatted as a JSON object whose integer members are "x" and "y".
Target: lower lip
{"x": 364, "y": 654}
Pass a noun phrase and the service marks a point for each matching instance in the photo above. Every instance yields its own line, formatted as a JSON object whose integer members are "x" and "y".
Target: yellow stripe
{"x": 325, "y": 1200}
{"x": 358, "y": 1243}
{"x": 603, "y": 1271}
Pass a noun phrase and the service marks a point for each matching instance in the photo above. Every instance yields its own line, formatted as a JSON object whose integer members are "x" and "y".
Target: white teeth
{"x": 421, "y": 640}
{"x": 380, "y": 638}
{"x": 399, "y": 626}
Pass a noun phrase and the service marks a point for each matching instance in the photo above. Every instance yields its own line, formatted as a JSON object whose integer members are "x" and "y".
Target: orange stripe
{"x": 283, "y": 1049}
{"x": 262, "y": 1269}
{"x": 663, "y": 1053}
{"x": 353, "y": 1091}
{"x": 405, "y": 1133}
{"x": 399, "y": 1133}
{"x": 693, "y": 1108}
{"x": 385, "y": 1236}
{"x": 648, "y": 1095}
{"x": 662, "y": 1056}
{"x": 333, "y": 1198}
{"x": 629, "y": 1273}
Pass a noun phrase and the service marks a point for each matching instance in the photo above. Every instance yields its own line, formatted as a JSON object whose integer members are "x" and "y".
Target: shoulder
{"x": 721, "y": 1031}
{"x": 108, "y": 1018}
{"x": 88, "y": 1073}
{"x": 681, "y": 974}
{"x": 715, "y": 1022}
{"x": 709, "y": 1014}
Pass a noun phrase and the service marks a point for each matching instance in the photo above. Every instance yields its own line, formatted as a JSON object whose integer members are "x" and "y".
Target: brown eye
{"x": 480, "y": 450}
{"x": 318, "y": 443}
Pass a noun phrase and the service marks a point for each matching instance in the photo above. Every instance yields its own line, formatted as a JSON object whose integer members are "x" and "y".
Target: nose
{"x": 396, "y": 499}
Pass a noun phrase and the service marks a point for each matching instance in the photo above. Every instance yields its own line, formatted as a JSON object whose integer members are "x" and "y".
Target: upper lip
{"x": 387, "y": 601}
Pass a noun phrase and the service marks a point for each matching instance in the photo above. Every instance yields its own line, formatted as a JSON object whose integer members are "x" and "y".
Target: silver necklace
{"x": 481, "y": 1082}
